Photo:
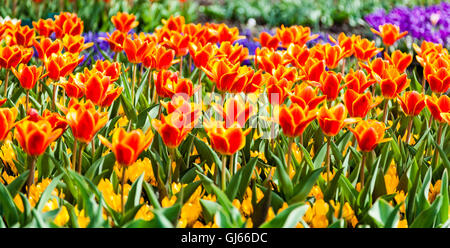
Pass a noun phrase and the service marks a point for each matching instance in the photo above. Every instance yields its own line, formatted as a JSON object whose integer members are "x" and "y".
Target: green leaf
{"x": 151, "y": 195}
{"x": 384, "y": 215}
{"x": 288, "y": 218}
{"x": 240, "y": 181}
{"x": 135, "y": 193}
{"x": 302, "y": 190}
{"x": 445, "y": 201}
{"x": 15, "y": 186}
{"x": 427, "y": 218}
{"x": 207, "y": 153}
{"x": 7, "y": 207}
{"x": 47, "y": 193}
{"x": 209, "y": 208}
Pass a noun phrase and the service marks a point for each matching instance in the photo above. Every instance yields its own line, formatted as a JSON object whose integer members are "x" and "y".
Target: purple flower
{"x": 431, "y": 23}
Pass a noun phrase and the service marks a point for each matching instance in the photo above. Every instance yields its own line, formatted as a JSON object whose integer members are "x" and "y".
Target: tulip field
{"x": 179, "y": 123}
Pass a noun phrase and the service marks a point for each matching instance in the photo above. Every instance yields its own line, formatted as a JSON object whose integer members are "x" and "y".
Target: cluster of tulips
{"x": 340, "y": 85}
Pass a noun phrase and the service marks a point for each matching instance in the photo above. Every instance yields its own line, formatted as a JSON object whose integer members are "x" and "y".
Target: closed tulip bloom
{"x": 427, "y": 48}
{"x": 68, "y": 23}
{"x": 376, "y": 67}
{"x": 313, "y": 69}
{"x": 399, "y": 59}
{"x": 359, "y": 104}
{"x": 437, "y": 74}
{"x": 295, "y": 118}
{"x": 177, "y": 42}
{"x": 7, "y": 118}
{"x": 109, "y": 69}
{"x": 334, "y": 119}
{"x": 345, "y": 43}
{"x": 44, "y": 27}
{"x": 174, "y": 23}
{"x": 61, "y": 65}
{"x": 10, "y": 57}
{"x": 278, "y": 90}
{"x": 369, "y": 133}
{"x": 294, "y": 34}
{"x": 390, "y": 33}
{"x": 234, "y": 111}
{"x": 357, "y": 81}
{"x": 101, "y": 91}
{"x": 167, "y": 84}
{"x": 437, "y": 106}
{"x": 75, "y": 44}
{"x": 412, "y": 102}
{"x": 234, "y": 53}
{"x": 159, "y": 58}
{"x": 225, "y": 74}
{"x": 124, "y": 22}
{"x": 55, "y": 119}
{"x": 225, "y": 33}
{"x": 392, "y": 82}
{"x": 35, "y": 137}
{"x": 28, "y": 75}
{"x": 200, "y": 54}
{"x": 84, "y": 120}
{"x": 174, "y": 127}
{"x": 46, "y": 47}
{"x": 115, "y": 40}
{"x": 330, "y": 84}
{"x": 127, "y": 146}
{"x": 270, "y": 60}
{"x": 297, "y": 55}
{"x": 332, "y": 55}
{"x": 226, "y": 141}
{"x": 306, "y": 96}
{"x": 74, "y": 87}
{"x": 365, "y": 49}
{"x": 136, "y": 50}
{"x": 23, "y": 36}
{"x": 267, "y": 40}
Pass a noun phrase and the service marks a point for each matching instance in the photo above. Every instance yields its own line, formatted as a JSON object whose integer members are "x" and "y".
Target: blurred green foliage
{"x": 315, "y": 13}
{"x": 96, "y": 14}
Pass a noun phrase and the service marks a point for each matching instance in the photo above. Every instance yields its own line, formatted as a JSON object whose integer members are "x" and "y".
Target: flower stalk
{"x": 31, "y": 160}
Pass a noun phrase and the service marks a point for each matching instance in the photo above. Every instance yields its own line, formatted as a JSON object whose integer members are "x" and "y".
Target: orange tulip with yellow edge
{"x": 124, "y": 22}
{"x": 295, "y": 118}
{"x": 369, "y": 133}
{"x": 333, "y": 119}
{"x": 226, "y": 141}
{"x": 438, "y": 105}
{"x": 127, "y": 146}
{"x": 84, "y": 119}
{"x": 412, "y": 102}
{"x": 7, "y": 118}
{"x": 390, "y": 33}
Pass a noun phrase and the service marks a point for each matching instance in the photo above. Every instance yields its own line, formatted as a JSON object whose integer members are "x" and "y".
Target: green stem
{"x": 328, "y": 158}
{"x": 363, "y": 163}
{"x": 133, "y": 83}
{"x": 74, "y": 153}
{"x": 385, "y": 110}
{"x": 438, "y": 142}
{"x": 122, "y": 202}
{"x": 224, "y": 167}
{"x": 6, "y": 83}
{"x": 80, "y": 157}
{"x": 27, "y": 102}
{"x": 31, "y": 160}
{"x": 289, "y": 154}
{"x": 408, "y": 135}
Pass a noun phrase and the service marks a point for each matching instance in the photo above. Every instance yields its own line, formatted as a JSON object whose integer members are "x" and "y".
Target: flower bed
{"x": 192, "y": 125}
